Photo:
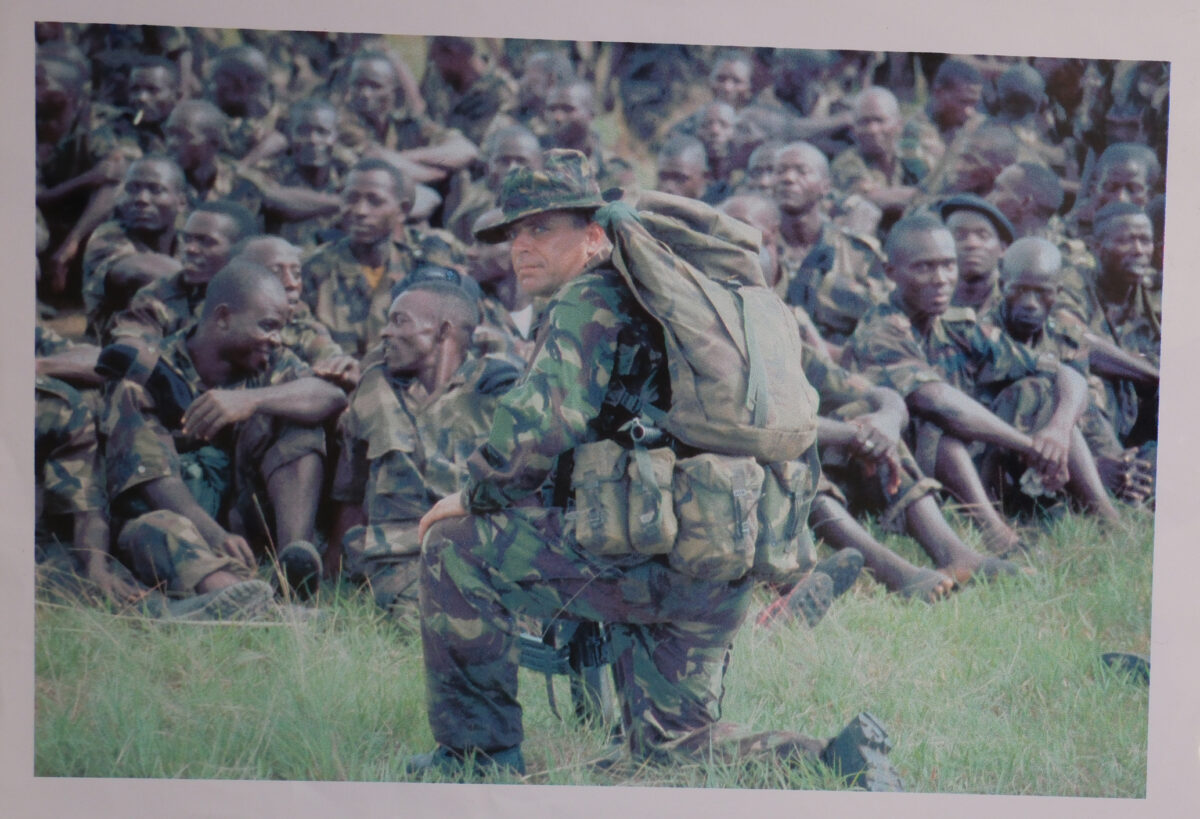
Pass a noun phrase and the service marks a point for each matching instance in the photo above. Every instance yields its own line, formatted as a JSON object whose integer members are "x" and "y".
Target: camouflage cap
{"x": 564, "y": 182}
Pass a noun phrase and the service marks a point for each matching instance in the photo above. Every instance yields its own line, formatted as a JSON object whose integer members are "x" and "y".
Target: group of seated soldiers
{"x": 294, "y": 340}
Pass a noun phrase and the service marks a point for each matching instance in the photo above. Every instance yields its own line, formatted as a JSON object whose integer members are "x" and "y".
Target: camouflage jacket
{"x": 139, "y": 447}
{"x": 107, "y": 245}
{"x": 401, "y": 451}
{"x": 978, "y": 360}
{"x": 160, "y": 309}
{"x": 67, "y": 463}
{"x": 594, "y": 332}
{"x": 405, "y": 131}
{"x": 304, "y": 233}
{"x": 836, "y": 282}
{"x": 1135, "y": 325}
{"x": 308, "y": 339}
{"x": 851, "y": 173}
{"x": 473, "y": 110}
{"x": 341, "y": 298}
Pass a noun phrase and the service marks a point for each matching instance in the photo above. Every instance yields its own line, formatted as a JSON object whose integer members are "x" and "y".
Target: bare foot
{"x": 927, "y": 585}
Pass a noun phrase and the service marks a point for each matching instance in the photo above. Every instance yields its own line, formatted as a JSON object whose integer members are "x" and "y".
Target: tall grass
{"x": 999, "y": 689}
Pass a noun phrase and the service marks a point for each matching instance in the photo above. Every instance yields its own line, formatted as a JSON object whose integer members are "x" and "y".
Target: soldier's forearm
{"x": 1110, "y": 361}
{"x": 306, "y": 400}
{"x": 171, "y": 494}
{"x": 964, "y": 417}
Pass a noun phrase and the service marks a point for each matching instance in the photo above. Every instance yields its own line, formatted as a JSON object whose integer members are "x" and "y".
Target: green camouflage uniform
{"x": 107, "y": 245}
{"x": 405, "y": 131}
{"x": 982, "y": 362}
{"x": 341, "y": 298}
{"x": 671, "y": 633}
{"x": 67, "y": 462}
{"x": 159, "y": 309}
{"x": 836, "y": 282}
{"x": 1135, "y": 326}
{"x": 308, "y": 339}
{"x": 163, "y": 546}
{"x": 1066, "y": 342}
{"x": 851, "y": 173}
{"x": 400, "y": 452}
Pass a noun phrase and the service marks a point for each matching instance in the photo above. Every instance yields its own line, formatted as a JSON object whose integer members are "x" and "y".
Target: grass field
{"x": 998, "y": 690}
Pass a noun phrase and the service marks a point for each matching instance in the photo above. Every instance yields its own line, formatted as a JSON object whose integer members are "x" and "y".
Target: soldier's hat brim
{"x": 969, "y": 201}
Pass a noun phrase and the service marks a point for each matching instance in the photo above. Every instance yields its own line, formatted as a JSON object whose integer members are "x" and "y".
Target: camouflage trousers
{"x": 166, "y": 549}
{"x": 671, "y": 634}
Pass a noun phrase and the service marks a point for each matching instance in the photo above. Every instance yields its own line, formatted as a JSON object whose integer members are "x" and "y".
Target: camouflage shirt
{"x": 304, "y": 233}
{"x": 308, "y": 339}
{"x": 160, "y": 309}
{"x": 852, "y": 173}
{"x": 1134, "y": 325}
{"x": 594, "y": 331}
{"x": 107, "y": 245}
{"x": 473, "y": 110}
{"x": 405, "y": 131}
{"x": 67, "y": 465}
{"x": 978, "y": 360}
{"x": 401, "y": 451}
{"x": 341, "y": 297}
{"x": 836, "y": 282}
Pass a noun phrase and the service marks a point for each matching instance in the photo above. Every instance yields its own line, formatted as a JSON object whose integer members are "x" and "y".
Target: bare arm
{"x": 964, "y": 417}
{"x": 1109, "y": 361}
{"x": 307, "y": 400}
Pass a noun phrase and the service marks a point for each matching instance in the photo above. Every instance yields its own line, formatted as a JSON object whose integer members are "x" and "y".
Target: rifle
{"x": 577, "y": 650}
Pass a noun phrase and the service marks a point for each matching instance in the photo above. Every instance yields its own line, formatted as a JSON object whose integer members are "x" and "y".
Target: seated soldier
{"x": 152, "y": 94}
{"x": 139, "y": 246}
{"x": 303, "y": 335}
{"x": 376, "y": 126}
{"x": 208, "y": 433}
{"x": 954, "y": 97}
{"x": 405, "y": 438}
{"x": 79, "y": 163}
{"x": 958, "y": 380}
{"x": 299, "y": 188}
{"x": 239, "y": 83}
{"x": 167, "y": 305}
{"x": 476, "y": 94}
{"x": 197, "y": 136}
{"x": 833, "y": 274}
{"x": 1032, "y": 276}
{"x": 859, "y": 434}
{"x": 873, "y": 167}
{"x": 1121, "y": 315}
{"x": 981, "y": 233}
{"x": 348, "y": 283}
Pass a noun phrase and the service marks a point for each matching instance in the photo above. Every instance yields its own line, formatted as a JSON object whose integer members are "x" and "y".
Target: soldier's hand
{"x": 235, "y": 546}
{"x": 108, "y": 582}
{"x": 1048, "y": 454}
{"x": 343, "y": 370}
{"x": 217, "y": 409}
{"x": 450, "y": 506}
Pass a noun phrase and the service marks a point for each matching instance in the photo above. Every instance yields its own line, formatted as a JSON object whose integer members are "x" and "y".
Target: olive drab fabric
{"x": 737, "y": 387}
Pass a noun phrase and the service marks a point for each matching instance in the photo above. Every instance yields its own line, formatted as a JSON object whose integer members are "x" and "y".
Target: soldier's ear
{"x": 221, "y": 316}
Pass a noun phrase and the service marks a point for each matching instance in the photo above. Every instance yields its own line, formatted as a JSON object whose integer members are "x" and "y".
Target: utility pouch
{"x": 601, "y": 498}
{"x": 652, "y": 523}
{"x": 716, "y": 503}
{"x": 784, "y": 550}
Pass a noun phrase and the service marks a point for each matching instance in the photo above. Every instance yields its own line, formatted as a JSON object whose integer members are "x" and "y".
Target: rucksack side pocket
{"x": 784, "y": 549}
{"x": 652, "y": 523}
{"x": 601, "y": 498}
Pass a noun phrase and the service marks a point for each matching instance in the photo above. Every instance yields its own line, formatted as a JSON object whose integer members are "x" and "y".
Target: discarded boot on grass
{"x": 860, "y": 755}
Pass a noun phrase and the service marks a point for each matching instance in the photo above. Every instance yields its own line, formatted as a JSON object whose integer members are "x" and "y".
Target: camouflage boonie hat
{"x": 565, "y": 182}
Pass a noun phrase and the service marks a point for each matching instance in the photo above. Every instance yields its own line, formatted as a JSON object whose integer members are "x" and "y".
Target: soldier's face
{"x": 1125, "y": 182}
{"x": 1007, "y": 193}
{"x": 150, "y": 197}
{"x": 251, "y": 334}
{"x": 1126, "y": 247}
{"x": 956, "y": 103}
{"x": 570, "y": 116}
{"x": 410, "y": 336}
{"x": 716, "y": 129}
{"x": 1029, "y": 296}
{"x": 372, "y": 208}
{"x": 976, "y": 242}
{"x": 730, "y": 82}
{"x": 549, "y": 249}
{"x": 152, "y": 92}
{"x": 516, "y": 152}
{"x": 283, "y": 259}
{"x": 372, "y": 88}
{"x": 187, "y": 141}
{"x": 925, "y": 272}
{"x": 760, "y": 172}
{"x": 207, "y": 238}
{"x": 312, "y": 138}
{"x": 682, "y": 176}
{"x": 801, "y": 180}
{"x": 876, "y": 127}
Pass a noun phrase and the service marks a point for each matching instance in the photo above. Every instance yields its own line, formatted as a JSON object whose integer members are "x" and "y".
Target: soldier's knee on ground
{"x": 165, "y": 549}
